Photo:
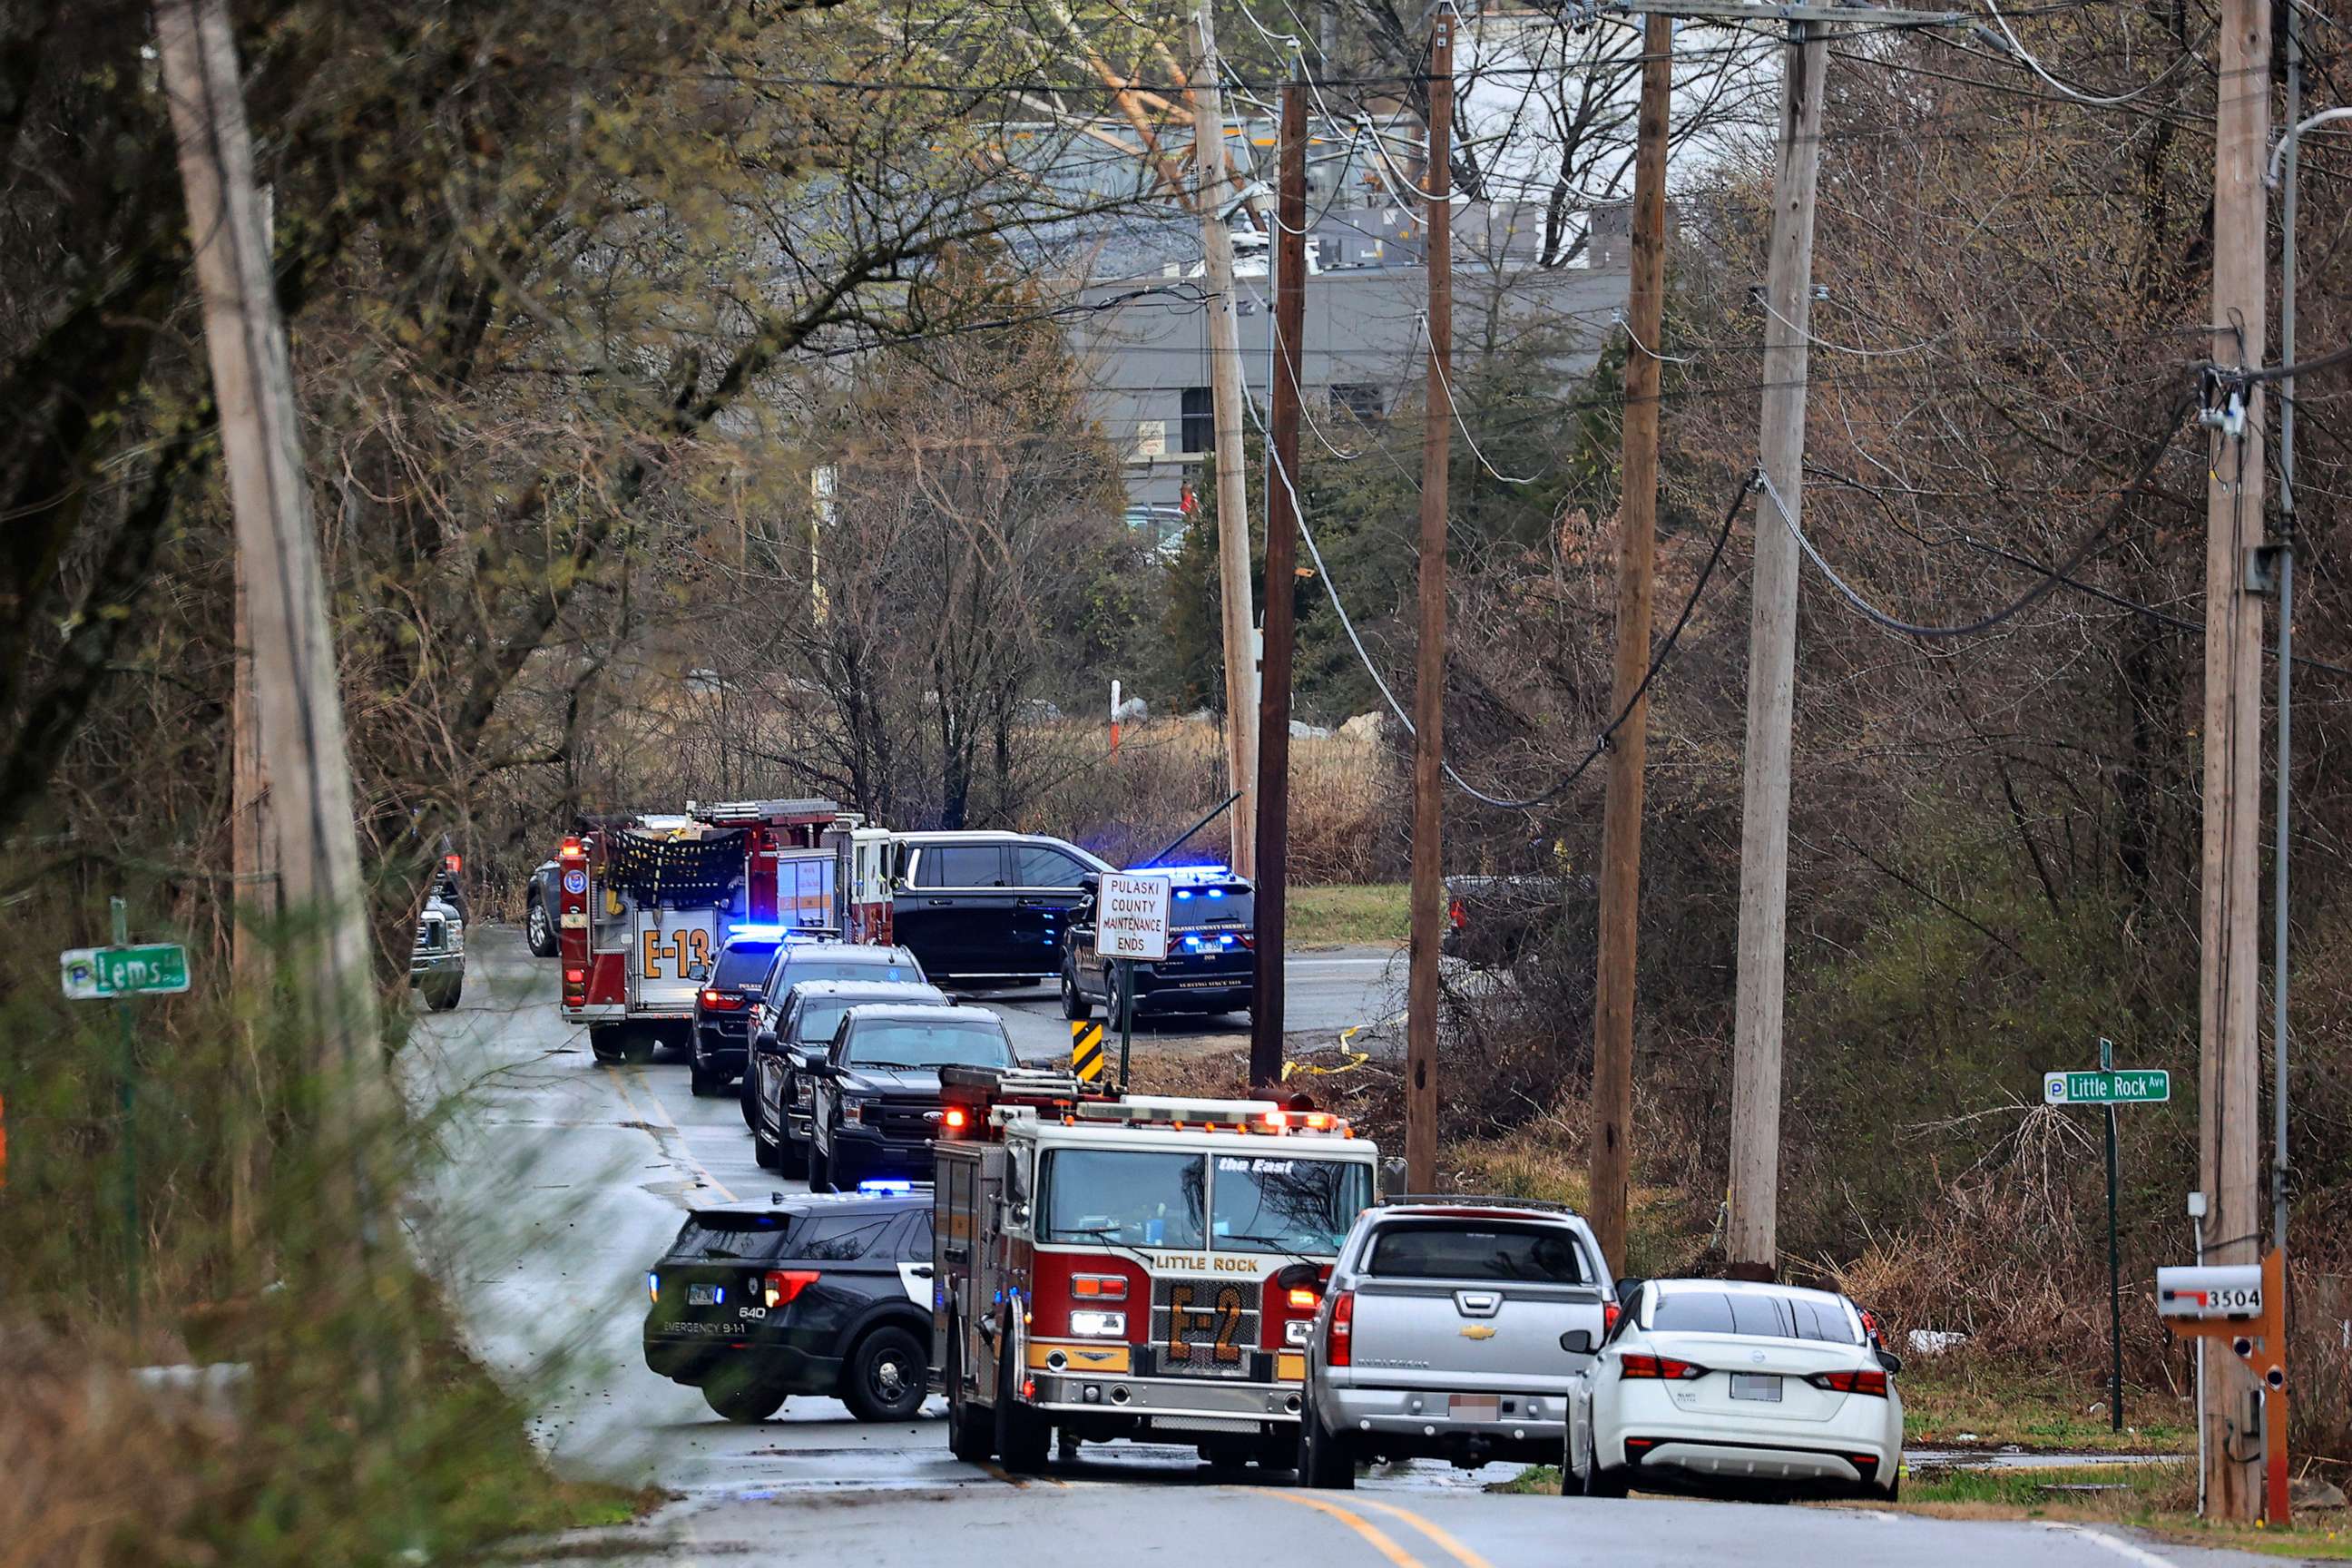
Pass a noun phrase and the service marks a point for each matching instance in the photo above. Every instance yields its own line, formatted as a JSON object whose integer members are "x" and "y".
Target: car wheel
{"x": 604, "y": 1040}
{"x": 539, "y": 932}
{"x": 1075, "y": 1006}
{"x": 441, "y": 998}
{"x": 968, "y": 1431}
{"x": 638, "y": 1045}
{"x": 792, "y": 1155}
{"x": 885, "y": 1376}
{"x": 1023, "y": 1436}
{"x": 764, "y": 1152}
{"x": 1326, "y": 1462}
{"x": 747, "y": 1096}
{"x": 1598, "y": 1482}
{"x": 742, "y": 1397}
{"x": 820, "y": 1171}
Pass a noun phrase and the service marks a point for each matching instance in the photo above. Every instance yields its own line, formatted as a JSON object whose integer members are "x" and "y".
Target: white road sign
{"x": 1132, "y": 919}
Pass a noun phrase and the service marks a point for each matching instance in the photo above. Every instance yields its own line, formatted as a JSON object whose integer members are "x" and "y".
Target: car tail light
{"x": 573, "y": 849}
{"x": 1098, "y": 1287}
{"x": 1609, "y": 1312}
{"x": 1665, "y": 1368}
{"x": 1340, "y": 1345}
{"x": 955, "y": 1119}
{"x": 1303, "y": 1299}
{"x": 722, "y": 1001}
{"x": 1862, "y": 1380}
{"x": 1455, "y": 916}
{"x": 782, "y": 1286}
{"x": 453, "y": 864}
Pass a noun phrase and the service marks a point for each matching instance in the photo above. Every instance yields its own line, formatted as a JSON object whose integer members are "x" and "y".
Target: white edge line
{"x": 2115, "y": 1543}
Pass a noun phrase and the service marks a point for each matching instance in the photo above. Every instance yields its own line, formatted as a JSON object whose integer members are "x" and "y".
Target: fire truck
{"x": 1130, "y": 1267}
{"x": 644, "y": 903}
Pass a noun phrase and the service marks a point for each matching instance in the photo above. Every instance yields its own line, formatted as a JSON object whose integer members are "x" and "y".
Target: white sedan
{"x": 1716, "y": 1386}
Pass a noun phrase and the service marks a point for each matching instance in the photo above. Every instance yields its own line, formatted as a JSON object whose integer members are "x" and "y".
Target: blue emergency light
{"x": 756, "y": 934}
{"x": 885, "y": 1186}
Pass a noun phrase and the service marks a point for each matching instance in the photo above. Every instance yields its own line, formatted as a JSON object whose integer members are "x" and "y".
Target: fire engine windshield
{"x": 1126, "y": 1196}
{"x": 1262, "y": 1203}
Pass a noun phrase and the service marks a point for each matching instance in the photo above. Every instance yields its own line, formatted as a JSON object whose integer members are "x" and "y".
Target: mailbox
{"x": 2231, "y": 1293}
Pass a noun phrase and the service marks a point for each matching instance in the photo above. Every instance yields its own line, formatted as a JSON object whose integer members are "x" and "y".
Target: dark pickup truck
{"x": 1492, "y": 922}
{"x": 876, "y": 1105}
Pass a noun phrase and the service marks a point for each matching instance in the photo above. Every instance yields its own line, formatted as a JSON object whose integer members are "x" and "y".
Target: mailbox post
{"x": 2244, "y": 1304}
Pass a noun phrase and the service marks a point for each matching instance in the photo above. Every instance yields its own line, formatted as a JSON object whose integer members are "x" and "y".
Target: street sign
{"x": 1087, "y": 1050}
{"x": 1131, "y": 920}
{"x": 102, "y": 973}
{"x": 2144, "y": 1086}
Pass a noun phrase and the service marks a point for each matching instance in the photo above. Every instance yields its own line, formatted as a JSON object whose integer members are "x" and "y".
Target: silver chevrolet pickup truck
{"x": 1440, "y": 1335}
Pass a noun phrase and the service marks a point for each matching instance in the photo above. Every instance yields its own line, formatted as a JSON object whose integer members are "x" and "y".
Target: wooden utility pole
{"x": 301, "y": 750}
{"x": 1429, "y": 690}
{"x": 1752, "y": 1236}
{"x": 2228, "y": 1103}
{"x": 1217, "y": 195}
{"x": 253, "y": 868}
{"x": 1637, "y": 513}
{"x": 1281, "y": 559}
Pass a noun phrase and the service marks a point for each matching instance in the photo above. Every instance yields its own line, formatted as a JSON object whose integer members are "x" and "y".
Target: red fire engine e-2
{"x": 644, "y": 903}
{"x": 1130, "y": 1267}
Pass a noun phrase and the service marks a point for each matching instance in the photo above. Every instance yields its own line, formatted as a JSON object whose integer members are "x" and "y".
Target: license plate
{"x": 1474, "y": 1407}
{"x": 1756, "y": 1385}
{"x": 716, "y": 1296}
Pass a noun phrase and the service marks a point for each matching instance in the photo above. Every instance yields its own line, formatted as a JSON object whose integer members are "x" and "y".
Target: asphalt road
{"x": 561, "y": 1180}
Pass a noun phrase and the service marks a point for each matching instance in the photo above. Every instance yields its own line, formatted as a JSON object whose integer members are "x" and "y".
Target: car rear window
{"x": 729, "y": 1238}
{"x": 1541, "y": 1254}
{"x": 978, "y": 1041}
{"x": 1751, "y": 1313}
{"x": 741, "y": 966}
{"x": 883, "y": 965}
{"x": 837, "y": 1238}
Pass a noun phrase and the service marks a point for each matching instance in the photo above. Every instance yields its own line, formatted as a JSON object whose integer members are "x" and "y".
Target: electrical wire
{"x": 1437, "y": 368}
{"x": 1600, "y": 743}
{"x": 1844, "y": 348}
{"x": 2072, "y": 561}
{"x": 2095, "y": 100}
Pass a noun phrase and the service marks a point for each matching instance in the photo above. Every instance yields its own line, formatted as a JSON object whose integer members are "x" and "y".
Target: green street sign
{"x": 2145, "y": 1086}
{"x": 102, "y": 973}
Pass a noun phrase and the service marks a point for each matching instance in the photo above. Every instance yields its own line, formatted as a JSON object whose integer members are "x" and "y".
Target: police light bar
{"x": 885, "y": 1187}
{"x": 756, "y": 934}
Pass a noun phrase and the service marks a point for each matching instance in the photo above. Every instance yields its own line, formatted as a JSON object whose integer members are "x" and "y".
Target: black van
{"x": 1211, "y": 962}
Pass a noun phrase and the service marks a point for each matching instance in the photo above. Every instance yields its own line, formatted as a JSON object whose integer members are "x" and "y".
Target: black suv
{"x": 809, "y": 1295}
{"x": 877, "y": 1104}
{"x": 777, "y": 1089}
{"x": 1211, "y": 962}
{"x": 722, "y": 1009}
{"x": 987, "y": 906}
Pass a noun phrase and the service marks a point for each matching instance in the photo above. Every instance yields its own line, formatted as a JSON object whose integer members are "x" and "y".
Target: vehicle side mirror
{"x": 1298, "y": 1277}
{"x": 1891, "y": 1361}
{"x": 1577, "y": 1341}
{"x": 764, "y": 1042}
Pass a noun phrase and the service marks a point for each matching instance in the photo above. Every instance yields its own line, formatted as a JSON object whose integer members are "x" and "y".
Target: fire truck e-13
{"x": 646, "y": 903}
{"x": 1135, "y": 1266}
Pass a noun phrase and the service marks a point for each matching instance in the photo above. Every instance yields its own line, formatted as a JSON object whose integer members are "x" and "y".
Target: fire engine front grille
{"x": 1204, "y": 1326}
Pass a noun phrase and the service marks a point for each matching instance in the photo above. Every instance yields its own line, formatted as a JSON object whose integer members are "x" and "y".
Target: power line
{"x": 2051, "y": 580}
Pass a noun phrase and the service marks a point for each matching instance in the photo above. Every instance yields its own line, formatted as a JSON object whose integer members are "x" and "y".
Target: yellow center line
{"x": 1462, "y": 1554}
{"x": 621, "y": 1082}
{"x": 1383, "y": 1543}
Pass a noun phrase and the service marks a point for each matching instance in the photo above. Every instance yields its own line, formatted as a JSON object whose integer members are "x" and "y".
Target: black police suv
{"x": 988, "y": 907}
{"x": 722, "y": 1009}
{"x": 777, "y": 1089}
{"x": 1211, "y": 962}
{"x": 877, "y": 1104}
{"x": 809, "y": 1295}
{"x": 799, "y": 959}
